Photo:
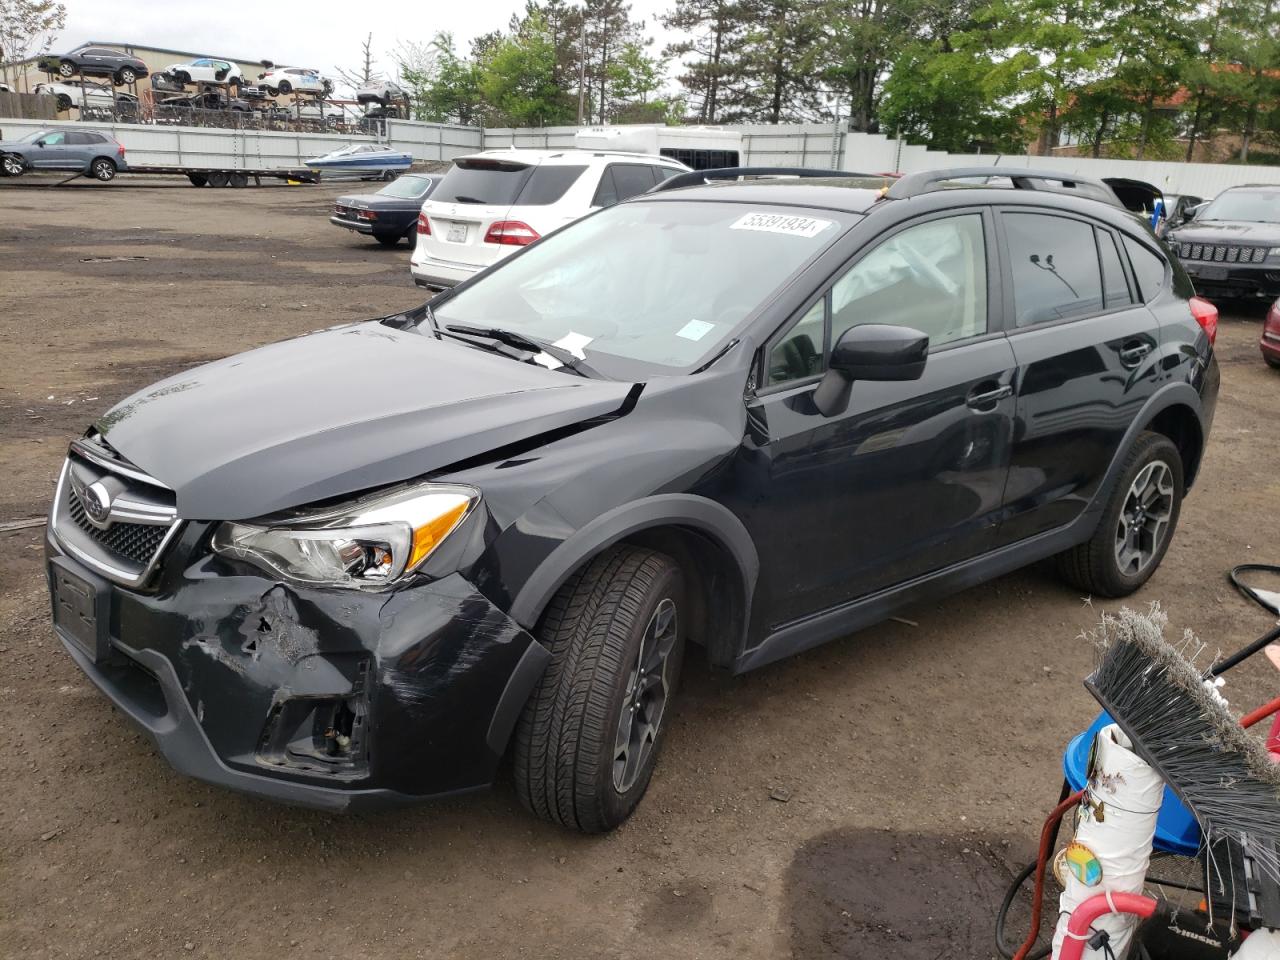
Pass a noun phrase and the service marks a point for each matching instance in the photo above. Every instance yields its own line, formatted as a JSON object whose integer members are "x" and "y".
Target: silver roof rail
{"x": 698, "y": 178}
{"x": 928, "y": 181}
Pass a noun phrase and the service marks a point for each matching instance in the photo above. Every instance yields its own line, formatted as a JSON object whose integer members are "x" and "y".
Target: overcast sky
{"x": 315, "y": 33}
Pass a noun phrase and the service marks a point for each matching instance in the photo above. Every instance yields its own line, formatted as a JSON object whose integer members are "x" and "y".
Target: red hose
{"x": 1099, "y": 906}
{"x": 1264, "y": 711}
{"x": 1047, "y": 834}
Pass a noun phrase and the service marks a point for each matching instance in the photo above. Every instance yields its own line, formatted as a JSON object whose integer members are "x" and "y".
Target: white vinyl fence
{"x": 791, "y": 145}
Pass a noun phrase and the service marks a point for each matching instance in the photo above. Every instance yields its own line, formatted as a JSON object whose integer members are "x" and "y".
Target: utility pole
{"x": 835, "y": 137}
{"x": 582, "y": 65}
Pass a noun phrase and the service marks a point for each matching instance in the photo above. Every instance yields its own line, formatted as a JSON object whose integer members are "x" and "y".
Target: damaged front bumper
{"x": 336, "y": 699}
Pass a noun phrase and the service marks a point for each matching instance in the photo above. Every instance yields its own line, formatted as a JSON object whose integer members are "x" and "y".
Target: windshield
{"x": 1252, "y": 206}
{"x": 647, "y": 287}
{"x": 32, "y": 137}
{"x": 408, "y": 188}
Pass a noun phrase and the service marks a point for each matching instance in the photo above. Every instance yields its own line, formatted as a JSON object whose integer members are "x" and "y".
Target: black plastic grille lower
{"x": 136, "y": 542}
{"x": 1222, "y": 253}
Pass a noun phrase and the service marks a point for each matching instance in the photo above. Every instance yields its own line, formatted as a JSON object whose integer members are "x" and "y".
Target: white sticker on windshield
{"x": 574, "y": 343}
{"x": 695, "y": 329}
{"x": 781, "y": 223}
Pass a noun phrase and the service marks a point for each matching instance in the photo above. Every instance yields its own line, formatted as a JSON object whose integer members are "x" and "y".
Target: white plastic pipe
{"x": 1117, "y": 824}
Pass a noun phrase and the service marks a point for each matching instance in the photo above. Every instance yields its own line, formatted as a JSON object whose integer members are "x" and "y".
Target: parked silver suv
{"x": 95, "y": 154}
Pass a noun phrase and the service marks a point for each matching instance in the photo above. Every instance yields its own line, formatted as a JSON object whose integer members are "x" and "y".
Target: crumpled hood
{"x": 1225, "y": 231}
{"x": 337, "y": 412}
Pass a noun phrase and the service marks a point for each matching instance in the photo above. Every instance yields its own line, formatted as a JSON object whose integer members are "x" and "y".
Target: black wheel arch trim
{"x": 661, "y": 510}
{"x": 1169, "y": 396}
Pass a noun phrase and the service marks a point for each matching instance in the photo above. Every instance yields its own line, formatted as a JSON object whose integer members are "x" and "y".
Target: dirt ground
{"x": 944, "y": 734}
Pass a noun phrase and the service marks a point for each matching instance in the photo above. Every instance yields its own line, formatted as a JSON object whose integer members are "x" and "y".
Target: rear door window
{"x": 632, "y": 179}
{"x": 488, "y": 182}
{"x": 1054, "y": 263}
{"x": 546, "y": 185}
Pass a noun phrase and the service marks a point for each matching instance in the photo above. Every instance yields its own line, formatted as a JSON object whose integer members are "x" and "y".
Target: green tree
{"x": 27, "y": 29}
{"x": 518, "y": 78}
{"x": 442, "y": 86}
{"x": 710, "y": 54}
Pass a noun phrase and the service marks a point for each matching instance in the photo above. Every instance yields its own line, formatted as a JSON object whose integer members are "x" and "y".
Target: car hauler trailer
{"x": 699, "y": 148}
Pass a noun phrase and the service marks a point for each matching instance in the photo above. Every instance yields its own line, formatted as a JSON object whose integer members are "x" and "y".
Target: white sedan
{"x": 205, "y": 70}
{"x": 293, "y": 79}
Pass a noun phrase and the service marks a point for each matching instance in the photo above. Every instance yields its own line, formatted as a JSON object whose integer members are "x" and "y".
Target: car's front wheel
{"x": 66, "y": 69}
{"x": 589, "y": 737}
{"x": 102, "y": 169}
{"x": 1136, "y": 526}
{"x": 13, "y": 165}
{"x": 126, "y": 76}
{"x": 285, "y": 86}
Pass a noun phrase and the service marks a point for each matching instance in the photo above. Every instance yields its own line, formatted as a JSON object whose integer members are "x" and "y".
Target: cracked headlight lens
{"x": 367, "y": 543}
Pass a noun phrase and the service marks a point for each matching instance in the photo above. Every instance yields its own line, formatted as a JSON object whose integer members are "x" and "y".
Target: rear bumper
{"x": 1227, "y": 281}
{"x": 436, "y": 274}
{"x": 233, "y": 678}
{"x": 358, "y": 226}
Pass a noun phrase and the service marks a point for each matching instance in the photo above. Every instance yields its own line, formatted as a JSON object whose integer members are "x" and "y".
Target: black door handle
{"x": 987, "y": 399}
{"x": 1131, "y": 354}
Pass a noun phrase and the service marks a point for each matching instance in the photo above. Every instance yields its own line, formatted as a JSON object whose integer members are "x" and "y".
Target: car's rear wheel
{"x": 1137, "y": 525}
{"x": 126, "y": 76}
{"x": 273, "y": 91}
{"x": 64, "y": 102}
{"x": 66, "y": 69}
{"x": 285, "y": 86}
{"x": 102, "y": 169}
{"x": 182, "y": 77}
{"x": 589, "y": 737}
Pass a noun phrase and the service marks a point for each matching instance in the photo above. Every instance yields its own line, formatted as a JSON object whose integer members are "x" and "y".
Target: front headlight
{"x": 368, "y": 543}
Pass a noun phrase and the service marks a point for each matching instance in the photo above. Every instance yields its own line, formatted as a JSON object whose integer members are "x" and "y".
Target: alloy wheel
{"x": 1144, "y": 518}
{"x": 66, "y": 69}
{"x": 127, "y": 76}
{"x": 13, "y": 166}
{"x": 645, "y": 700}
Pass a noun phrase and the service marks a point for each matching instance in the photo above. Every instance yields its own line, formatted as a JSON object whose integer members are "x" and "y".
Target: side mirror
{"x": 39, "y": 143}
{"x": 870, "y": 351}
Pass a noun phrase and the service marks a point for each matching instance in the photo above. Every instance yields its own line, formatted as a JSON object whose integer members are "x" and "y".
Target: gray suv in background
{"x": 96, "y": 155}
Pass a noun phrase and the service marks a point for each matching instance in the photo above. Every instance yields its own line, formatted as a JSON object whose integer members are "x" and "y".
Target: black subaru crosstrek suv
{"x": 367, "y": 564}
{"x": 1231, "y": 247}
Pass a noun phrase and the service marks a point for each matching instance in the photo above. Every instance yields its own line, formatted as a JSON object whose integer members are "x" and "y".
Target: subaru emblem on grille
{"x": 97, "y": 504}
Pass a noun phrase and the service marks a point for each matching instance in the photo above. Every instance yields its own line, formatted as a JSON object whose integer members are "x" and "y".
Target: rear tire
{"x": 1137, "y": 525}
{"x": 66, "y": 69}
{"x": 102, "y": 170}
{"x": 387, "y": 239}
{"x": 285, "y": 86}
{"x": 1273, "y": 363}
{"x": 588, "y": 740}
{"x": 64, "y": 102}
{"x": 239, "y": 179}
{"x": 126, "y": 77}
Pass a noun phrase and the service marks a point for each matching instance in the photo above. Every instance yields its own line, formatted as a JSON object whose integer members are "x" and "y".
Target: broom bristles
{"x": 1184, "y": 729}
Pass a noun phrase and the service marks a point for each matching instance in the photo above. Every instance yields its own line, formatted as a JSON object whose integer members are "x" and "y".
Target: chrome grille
{"x": 1222, "y": 253}
{"x": 110, "y": 515}
{"x": 137, "y": 542}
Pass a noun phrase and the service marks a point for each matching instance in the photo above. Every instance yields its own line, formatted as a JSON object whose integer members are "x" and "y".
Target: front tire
{"x": 589, "y": 737}
{"x": 126, "y": 77}
{"x": 66, "y": 69}
{"x": 13, "y": 165}
{"x": 285, "y": 86}
{"x": 102, "y": 170}
{"x": 1137, "y": 526}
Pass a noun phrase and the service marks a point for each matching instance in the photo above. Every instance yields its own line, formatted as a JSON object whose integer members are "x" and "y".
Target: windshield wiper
{"x": 514, "y": 338}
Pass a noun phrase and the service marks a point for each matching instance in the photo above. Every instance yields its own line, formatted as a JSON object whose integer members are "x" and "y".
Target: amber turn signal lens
{"x": 429, "y": 535}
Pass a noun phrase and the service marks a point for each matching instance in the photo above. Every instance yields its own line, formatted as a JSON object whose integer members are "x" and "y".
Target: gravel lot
{"x": 914, "y": 761}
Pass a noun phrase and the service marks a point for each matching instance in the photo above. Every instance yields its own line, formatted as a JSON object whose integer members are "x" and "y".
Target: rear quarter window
{"x": 546, "y": 185}
{"x": 1148, "y": 268}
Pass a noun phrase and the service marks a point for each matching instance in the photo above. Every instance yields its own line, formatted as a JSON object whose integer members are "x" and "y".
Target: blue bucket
{"x": 1176, "y": 829}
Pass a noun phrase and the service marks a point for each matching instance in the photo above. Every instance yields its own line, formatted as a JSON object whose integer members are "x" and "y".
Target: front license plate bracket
{"x": 80, "y": 608}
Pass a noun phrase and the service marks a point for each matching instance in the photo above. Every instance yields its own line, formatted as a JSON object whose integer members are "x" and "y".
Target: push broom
{"x": 1172, "y": 718}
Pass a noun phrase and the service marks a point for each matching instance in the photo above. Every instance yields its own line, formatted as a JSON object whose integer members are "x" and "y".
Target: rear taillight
{"x": 120, "y": 150}
{"x": 511, "y": 233}
{"x": 1272, "y": 323}
{"x": 367, "y": 214}
{"x": 1206, "y": 315}
{"x": 424, "y": 228}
